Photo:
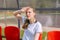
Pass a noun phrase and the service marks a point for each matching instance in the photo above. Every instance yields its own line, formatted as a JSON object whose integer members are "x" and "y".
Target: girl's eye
{"x": 29, "y": 12}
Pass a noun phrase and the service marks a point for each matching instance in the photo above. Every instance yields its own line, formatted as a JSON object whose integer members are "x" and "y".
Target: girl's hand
{"x": 20, "y": 11}
{"x": 24, "y": 9}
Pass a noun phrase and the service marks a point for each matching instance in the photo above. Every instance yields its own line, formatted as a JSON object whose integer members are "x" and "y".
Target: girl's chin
{"x": 28, "y": 18}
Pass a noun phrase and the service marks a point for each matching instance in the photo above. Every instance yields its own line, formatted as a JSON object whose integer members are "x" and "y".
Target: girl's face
{"x": 30, "y": 13}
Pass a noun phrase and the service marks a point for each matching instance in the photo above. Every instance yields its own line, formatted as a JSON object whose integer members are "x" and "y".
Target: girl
{"x": 32, "y": 27}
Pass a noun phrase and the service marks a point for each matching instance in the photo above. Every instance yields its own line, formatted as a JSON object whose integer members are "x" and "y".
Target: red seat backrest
{"x": 54, "y": 35}
{"x": 12, "y": 33}
{"x": 40, "y": 37}
{"x": 0, "y": 33}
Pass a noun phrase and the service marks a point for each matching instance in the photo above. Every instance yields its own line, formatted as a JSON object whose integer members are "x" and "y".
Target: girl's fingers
{"x": 24, "y": 9}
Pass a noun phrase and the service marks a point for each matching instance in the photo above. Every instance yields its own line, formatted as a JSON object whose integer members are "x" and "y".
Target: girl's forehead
{"x": 30, "y": 9}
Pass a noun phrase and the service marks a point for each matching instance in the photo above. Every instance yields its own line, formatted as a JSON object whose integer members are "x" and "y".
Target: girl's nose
{"x": 27, "y": 14}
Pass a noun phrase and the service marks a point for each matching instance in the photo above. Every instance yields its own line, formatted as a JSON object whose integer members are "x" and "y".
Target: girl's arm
{"x": 38, "y": 36}
{"x": 38, "y": 33}
{"x": 18, "y": 13}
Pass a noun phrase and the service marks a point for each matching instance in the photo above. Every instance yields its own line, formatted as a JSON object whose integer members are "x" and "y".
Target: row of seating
{"x": 11, "y": 33}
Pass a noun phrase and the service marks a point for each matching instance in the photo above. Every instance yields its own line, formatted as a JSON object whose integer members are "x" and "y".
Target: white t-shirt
{"x": 32, "y": 29}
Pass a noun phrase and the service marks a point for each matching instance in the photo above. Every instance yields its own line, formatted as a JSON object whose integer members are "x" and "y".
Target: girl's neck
{"x": 32, "y": 20}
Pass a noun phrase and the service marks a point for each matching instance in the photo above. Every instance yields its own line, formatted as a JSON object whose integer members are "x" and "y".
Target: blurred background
{"x": 47, "y": 12}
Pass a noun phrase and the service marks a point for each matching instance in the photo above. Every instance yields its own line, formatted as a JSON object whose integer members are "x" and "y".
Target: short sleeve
{"x": 38, "y": 27}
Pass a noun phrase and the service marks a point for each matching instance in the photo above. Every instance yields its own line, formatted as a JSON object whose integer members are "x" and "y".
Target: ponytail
{"x": 25, "y": 25}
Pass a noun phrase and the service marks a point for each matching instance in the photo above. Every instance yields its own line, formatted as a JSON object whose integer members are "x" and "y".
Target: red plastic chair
{"x": 54, "y": 35}
{"x": 0, "y": 33}
{"x": 40, "y": 37}
{"x": 12, "y": 33}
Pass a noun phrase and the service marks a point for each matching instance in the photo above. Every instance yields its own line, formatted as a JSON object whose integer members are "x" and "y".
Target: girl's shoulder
{"x": 38, "y": 27}
{"x": 38, "y": 23}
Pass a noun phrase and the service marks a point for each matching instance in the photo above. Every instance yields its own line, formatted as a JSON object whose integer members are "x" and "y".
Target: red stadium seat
{"x": 53, "y": 35}
{"x": 40, "y": 37}
{"x": 12, "y": 33}
{"x": 0, "y": 33}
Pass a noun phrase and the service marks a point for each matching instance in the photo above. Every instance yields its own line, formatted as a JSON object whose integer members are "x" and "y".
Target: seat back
{"x": 0, "y": 33}
{"x": 40, "y": 37}
{"x": 54, "y": 35}
{"x": 12, "y": 33}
